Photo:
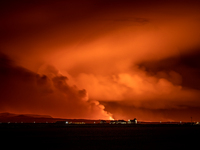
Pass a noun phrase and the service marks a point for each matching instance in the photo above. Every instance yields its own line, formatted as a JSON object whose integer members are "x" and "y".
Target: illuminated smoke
{"x": 136, "y": 59}
{"x": 23, "y": 91}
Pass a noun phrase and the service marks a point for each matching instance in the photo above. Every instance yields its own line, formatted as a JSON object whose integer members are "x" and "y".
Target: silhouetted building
{"x": 134, "y": 121}
{"x": 113, "y": 122}
{"x": 78, "y": 123}
{"x": 121, "y": 122}
{"x": 103, "y": 122}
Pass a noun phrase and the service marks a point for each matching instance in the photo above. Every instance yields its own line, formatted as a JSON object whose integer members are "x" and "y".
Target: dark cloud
{"x": 23, "y": 91}
{"x": 186, "y": 64}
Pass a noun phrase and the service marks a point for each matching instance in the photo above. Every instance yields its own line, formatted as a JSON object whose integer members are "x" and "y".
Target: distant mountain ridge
{"x": 6, "y": 114}
{"x": 25, "y": 118}
{"x": 34, "y": 118}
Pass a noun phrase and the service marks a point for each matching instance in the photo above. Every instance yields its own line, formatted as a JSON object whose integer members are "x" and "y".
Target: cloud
{"x": 138, "y": 88}
{"x": 141, "y": 55}
{"x": 23, "y": 91}
{"x": 143, "y": 94}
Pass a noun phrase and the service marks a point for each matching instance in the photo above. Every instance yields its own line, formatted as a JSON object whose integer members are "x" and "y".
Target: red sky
{"x": 101, "y": 59}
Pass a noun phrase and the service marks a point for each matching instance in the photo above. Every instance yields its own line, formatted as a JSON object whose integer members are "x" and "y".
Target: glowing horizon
{"x": 101, "y": 59}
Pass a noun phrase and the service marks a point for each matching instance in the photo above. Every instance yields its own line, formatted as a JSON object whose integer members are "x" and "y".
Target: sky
{"x": 99, "y": 59}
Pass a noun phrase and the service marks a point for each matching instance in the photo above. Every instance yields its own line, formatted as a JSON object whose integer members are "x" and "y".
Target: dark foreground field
{"x": 99, "y": 136}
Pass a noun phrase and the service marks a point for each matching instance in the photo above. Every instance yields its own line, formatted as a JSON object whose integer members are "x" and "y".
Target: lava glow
{"x": 101, "y": 60}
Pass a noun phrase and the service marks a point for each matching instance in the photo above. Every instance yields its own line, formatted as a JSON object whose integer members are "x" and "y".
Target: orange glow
{"x": 102, "y": 60}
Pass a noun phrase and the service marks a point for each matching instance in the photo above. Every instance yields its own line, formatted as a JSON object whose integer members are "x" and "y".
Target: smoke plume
{"x": 23, "y": 91}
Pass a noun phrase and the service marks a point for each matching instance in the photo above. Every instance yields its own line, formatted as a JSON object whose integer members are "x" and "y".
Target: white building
{"x": 134, "y": 121}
